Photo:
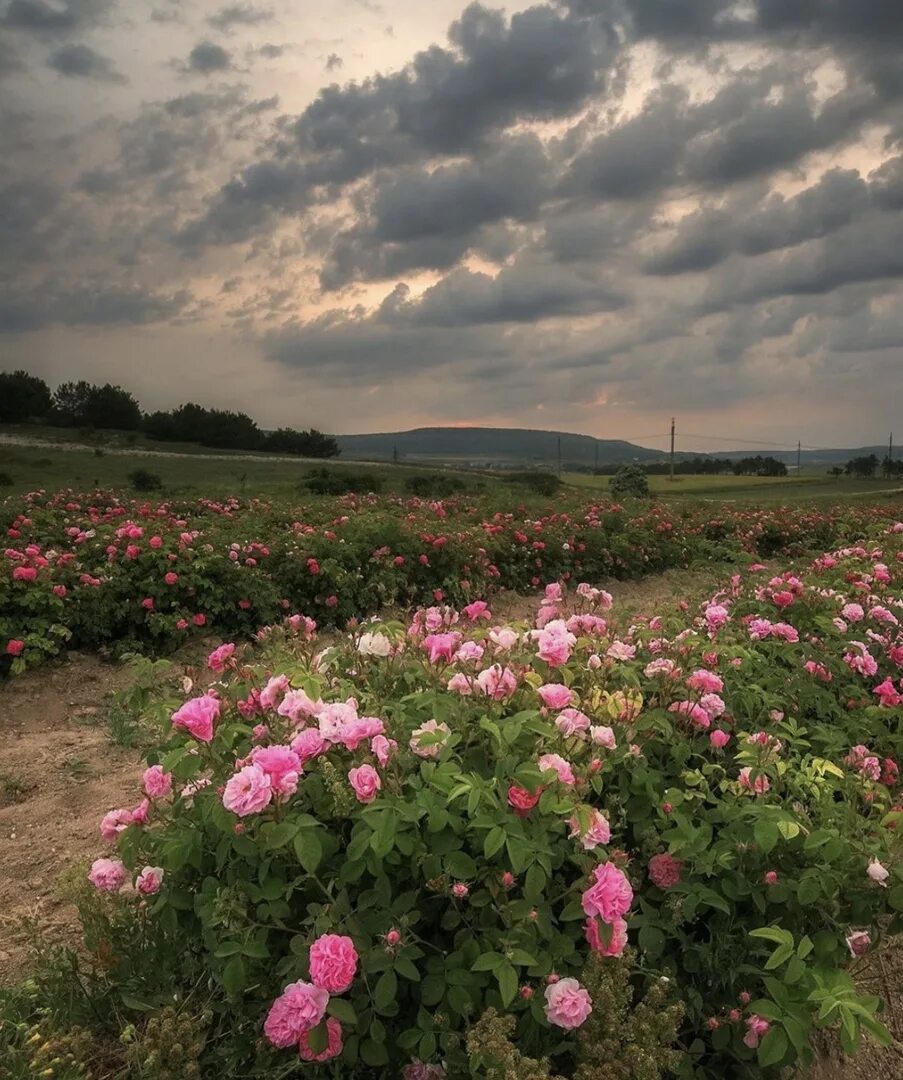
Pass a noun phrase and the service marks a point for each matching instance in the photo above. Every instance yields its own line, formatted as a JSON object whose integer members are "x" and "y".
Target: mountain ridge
{"x": 536, "y": 446}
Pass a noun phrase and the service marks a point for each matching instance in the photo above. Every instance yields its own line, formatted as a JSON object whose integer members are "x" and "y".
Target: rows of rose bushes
{"x": 358, "y": 850}
{"x": 97, "y": 571}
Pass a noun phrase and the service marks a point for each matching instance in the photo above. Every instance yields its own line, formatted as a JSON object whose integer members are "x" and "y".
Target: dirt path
{"x": 59, "y": 773}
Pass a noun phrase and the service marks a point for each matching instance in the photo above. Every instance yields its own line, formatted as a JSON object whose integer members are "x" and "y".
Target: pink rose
{"x": 107, "y": 875}
{"x": 859, "y": 942}
{"x": 567, "y": 1004}
{"x": 432, "y": 748}
{"x": 273, "y": 691}
{"x": 664, "y": 870}
{"x": 218, "y": 659}
{"x": 616, "y": 933}
{"x": 555, "y": 695}
{"x": 555, "y": 642}
{"x": 249, "y": 791}
{"x": 383, "y": 748}
{"x": 309, "y": 744}
{"x": 497, "y": 682}
{"x": 719, "y": 739}
{"x": 603, "y": 736}
{"x": 571, "y": 721}
{"x": 113, "y": 823}
{"x": 521, "y": 800}
{"x": 366, "y": 783}
{"x": 557, "y": 764}
{"x": 760, "y": 785}
{"x": 281, "y": 764}
{"x": 333, "y": 1043}
{"x": 299, "y": 1008}
{"x": 756, "y": 1027}
{"x": 149, "y": 880}
{"x": 14, "y": 647}
{"x": 610, "y": 895}
{"x": 197, "y": 717}
{"x": 597, "y": 832}
{"x": 157, "y": 783}
{"x": 333, "y": 963}
{"x": 418, "y": 1070}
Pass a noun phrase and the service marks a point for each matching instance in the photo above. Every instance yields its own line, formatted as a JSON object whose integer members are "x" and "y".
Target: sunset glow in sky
{"x": 369, "y": 215}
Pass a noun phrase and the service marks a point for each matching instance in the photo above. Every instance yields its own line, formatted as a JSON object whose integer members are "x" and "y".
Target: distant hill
{"x": 520, "y": 447}
{"x": 496, "y": 446}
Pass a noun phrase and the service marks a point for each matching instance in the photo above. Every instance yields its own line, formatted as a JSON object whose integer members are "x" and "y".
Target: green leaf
{"x": 494, "y": 842}
{"x": 534, "y": 883}
{"x": 773, "y": 933}
{"x": 407, "y": 969}
{"x": 342, "y": 1009}
{"x": 228, "y": 948}
{"x": 234, "y": 975}
{"x": 809, "y": 888}
{"x": 766, "y": 834}
{"x": 507, "y": 979}
{"x": 461, "y": 866}
{"x": 385, "y": 991}
{"x": 651, "y": 940}
{"x": 781, "y": 954}
{"x": 374, "y": 1053}
{"x": 522, "y": 958}
{"x": 278, "y": 836}
{"x": 487, "y": 962}
{"x": 772, "y": 1047}
{"x": 805, "y": 947}
{"x": 318, "y": 1038}
{"x": 308, "y": 849}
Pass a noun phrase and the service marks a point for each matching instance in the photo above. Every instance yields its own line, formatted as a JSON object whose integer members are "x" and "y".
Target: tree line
{"x": 706, "y": 466}
{"x": 26, "y": 398}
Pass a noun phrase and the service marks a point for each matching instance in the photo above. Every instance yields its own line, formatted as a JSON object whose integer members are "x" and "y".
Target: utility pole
{"x": 672, "y": 449}
{"x": 799, "y": 456}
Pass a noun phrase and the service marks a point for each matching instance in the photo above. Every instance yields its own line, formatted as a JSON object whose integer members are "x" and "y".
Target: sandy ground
{"x": 59, "y": 773}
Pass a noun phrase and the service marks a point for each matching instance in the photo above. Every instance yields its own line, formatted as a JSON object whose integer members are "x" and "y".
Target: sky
{"x": 372, "y": 215}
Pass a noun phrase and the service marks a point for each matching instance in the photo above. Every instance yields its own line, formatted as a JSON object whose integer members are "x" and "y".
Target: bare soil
{"x": 59, "y": 773}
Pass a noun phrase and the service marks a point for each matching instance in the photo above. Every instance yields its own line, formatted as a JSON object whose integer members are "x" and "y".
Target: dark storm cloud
{"x": 79, "y": 61}
{"x": 206, "y": 58}
{"x": 540, "y": 65}
{"x": 523, "y": 293}
{"x": 333, "y": 62}
{"x": 88, "y": 304}
{"x": 233, "y": 15}
{"x": 54, "y": 19}
{"x": 707, "y": 237}
{"x": 415, "y": 217}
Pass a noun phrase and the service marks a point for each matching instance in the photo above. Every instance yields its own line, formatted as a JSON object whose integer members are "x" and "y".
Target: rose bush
{"x": 362, "y": 850}
{"x": 98, "y": 571}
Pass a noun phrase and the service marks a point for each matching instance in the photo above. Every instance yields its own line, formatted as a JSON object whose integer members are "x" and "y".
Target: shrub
{"x": 435, "y": 485}
{"x": 5, "y": 480}
{"x": 144, "y": 480}
{"x": 342, "y": 482}
{"x": 542, "y": 483}
{"x": 630, "y": 481}
{"x": 432, "y": 824}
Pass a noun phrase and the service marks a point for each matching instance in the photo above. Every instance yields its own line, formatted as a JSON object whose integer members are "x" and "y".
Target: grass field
{"x": 805, "y": 486}
{"x": 200, "y": 472}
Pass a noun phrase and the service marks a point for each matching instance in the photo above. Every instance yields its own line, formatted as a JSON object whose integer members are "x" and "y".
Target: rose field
{"x": 426, "y": 792}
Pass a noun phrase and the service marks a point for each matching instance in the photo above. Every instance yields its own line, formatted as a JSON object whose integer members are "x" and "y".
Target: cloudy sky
{"x": 366, "y": 215}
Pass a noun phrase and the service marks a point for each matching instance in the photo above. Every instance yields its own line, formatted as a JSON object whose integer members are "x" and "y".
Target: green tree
{"x": 23, "y": 397}
{"x": 630, "y": 480}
